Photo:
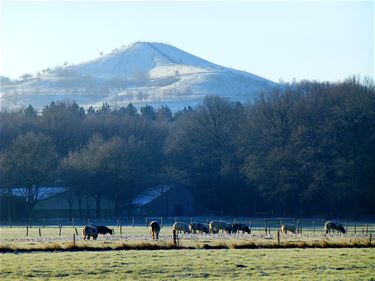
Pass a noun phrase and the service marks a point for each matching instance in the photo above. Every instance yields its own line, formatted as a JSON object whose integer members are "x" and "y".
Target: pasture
{"x": 264, "y": 264}
{"x": 215, "y": 256}
{"x": 263, "y": 233}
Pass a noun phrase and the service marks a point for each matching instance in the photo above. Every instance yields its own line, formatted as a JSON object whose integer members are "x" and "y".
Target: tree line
{"x": 303, "y": 149}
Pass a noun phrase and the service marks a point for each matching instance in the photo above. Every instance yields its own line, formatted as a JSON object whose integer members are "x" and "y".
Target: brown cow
{"x": 89, "y": 231}
{"x": 154, "y": 229}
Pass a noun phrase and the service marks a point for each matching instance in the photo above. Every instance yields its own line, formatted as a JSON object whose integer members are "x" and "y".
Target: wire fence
{"x": 305, "y": 225}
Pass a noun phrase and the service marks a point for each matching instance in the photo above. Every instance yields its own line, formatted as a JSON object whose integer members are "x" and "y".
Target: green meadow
{"x": 199, "y": 264}
{"x": 231, "y": 264}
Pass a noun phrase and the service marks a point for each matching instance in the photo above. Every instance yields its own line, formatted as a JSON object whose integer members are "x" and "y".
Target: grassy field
{"x": 286, "y": 264}
{"x": 15, "y": 238}
{"x": 225, "y": 264}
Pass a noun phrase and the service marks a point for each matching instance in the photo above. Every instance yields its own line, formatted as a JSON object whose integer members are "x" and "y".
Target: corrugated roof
{"x": 43, "y": 192}
{"x": 150, "y": 194}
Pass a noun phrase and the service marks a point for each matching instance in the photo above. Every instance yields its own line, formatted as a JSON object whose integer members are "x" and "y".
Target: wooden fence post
{"x": 74, "y": 239}
{"x": 355, "y": 228}
{"x": 265, "y": 225}
{"x": 60, "y": 226}
{"x": 76, "y": 231}
{"x": 278, "y": 237}
{"x": 40, "y": 232}
{"x": 174, "y": 237}
{"x": 27, "y": 230}
{"x": 120, "y": 229}
{"x": 370, "y": 238}
{"x": 297, "y": 227}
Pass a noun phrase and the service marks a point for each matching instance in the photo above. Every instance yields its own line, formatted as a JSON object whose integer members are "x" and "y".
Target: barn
{"x": 164, "y": 200}
{"x": 64, "y": 203}
{"x": 67, "y": 204}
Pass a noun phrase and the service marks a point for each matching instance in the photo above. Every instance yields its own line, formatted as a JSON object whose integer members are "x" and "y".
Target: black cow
{"x": 237, "y": 227}
{"x": 330, "y": 225}
{"x": 103, "y": 229}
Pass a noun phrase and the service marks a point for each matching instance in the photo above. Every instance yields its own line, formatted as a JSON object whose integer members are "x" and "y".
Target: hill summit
{"x": 141, "y": 73}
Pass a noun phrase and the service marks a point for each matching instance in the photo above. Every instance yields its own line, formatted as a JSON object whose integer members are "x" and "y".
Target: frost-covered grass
{"x": 139, "y": 238}
{"x": 286, "y": 264}
{"x": 201, "y": 264}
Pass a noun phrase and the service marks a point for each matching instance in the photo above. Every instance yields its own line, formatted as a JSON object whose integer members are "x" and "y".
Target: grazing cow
{"x": 89, "y": 231}
{"x": 103, "y": 229}
{"x": 197, "y": 227}
{"x": 181, "y": 227}
{"x": 216, "y": 226}
{"x": 237, "y": 227}
{"x": 330, "y": 225}
{"x": 291, "y": 228}
{"x": 154, "y": 229}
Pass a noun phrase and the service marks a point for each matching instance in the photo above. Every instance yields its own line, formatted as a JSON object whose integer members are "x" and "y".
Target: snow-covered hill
{"x": 141, "y": 73}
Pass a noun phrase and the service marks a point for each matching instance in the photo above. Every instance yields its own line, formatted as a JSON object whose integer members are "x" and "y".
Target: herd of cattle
{"x": 200, "y": 228}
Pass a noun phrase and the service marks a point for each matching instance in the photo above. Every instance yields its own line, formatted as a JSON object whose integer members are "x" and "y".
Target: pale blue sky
{"x": 276, "y": 40}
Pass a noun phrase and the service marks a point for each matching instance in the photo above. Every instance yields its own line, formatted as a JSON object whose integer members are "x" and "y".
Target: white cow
{"x": 291, "y": 228}
{"x": 181, "y": 227}
{"x": 216, "y": 226}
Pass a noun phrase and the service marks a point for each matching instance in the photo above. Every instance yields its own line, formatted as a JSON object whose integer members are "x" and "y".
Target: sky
{"x": 326, "y": 41}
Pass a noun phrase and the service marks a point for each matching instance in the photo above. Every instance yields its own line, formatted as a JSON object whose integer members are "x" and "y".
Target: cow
{"x": 291, "y": 228}
{"x": 330, "y": 225}
{"x": 181, "y": 227}
{"x": 154, "y": 229}
{"x": 216, "y": 226}
{"x": 89, "y": 231}
{"x": 237, "y": 227}
{"x": 103, "y": 229}
{"x": 197, "y": 227}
